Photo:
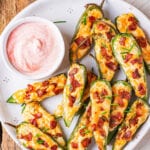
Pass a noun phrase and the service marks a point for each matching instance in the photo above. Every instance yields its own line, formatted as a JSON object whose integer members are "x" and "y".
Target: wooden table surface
{"x": 8, "y": 9}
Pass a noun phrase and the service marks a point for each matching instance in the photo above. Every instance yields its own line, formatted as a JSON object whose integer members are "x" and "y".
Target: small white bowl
{"x": 5, "y": 35}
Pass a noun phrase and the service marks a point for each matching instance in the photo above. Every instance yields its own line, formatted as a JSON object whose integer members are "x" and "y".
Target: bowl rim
{"x": 13, "y": 25}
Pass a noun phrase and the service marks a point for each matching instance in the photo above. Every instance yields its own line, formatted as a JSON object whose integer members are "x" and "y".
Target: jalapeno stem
{"x": 12, "y": 125}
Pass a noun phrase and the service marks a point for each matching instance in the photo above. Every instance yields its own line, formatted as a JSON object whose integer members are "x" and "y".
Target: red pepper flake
{"x": 41, "y": 92}
{"x": 109, "y": 35}
{"x": 127, "y": 135}
{"x": 54, "y": 147}
{"x": 124, "y": 94}
{"x": 83, "y": 42}
{"x": 136, "y": 74}
{"x": 92, "y": 19}
{"x": 141, "y": 89}
{"x": 111, "y": 65}
{"x": 128, "y": 57}
{"x": 74, "y": 145}
{"x": 27, "y": 137}
{"x": 71, "y": 100}
{"x": 122, "y": 41}
{"x": 101, "y": 26}
{"x": 104, "y": 53}
{"x": 85, "y": 142}
{"x": 45, "y": 83}
{"x": 53, "y": 124}
{"x": 142, "y": 42}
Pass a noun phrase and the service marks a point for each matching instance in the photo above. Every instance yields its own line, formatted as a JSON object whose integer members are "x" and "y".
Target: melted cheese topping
{"x": 84, "y": 124}
{"x": 100, "y": 110}
{"x": 84, "y": 30}
{"x": 80, "y": 76}
{"x": 25, "y": 129}
{"x": 101, "y": 41}
{"x": 127, "y": 127}
{"x": 123, "y": 24}
{"x": 20, "y": 95}
{"x": 119, "y": 86}
{"x": 43, "y": 122}
{"x": 121, "y": 52}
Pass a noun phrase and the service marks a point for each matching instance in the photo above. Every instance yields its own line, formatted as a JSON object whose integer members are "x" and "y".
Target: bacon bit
{"x": 37, "y": 115}
{"x": 132, "y": 19}
{"x": 136, "y": 74}
{"x": 115, "y": 119}
{"x": 57, "y": 91}
{"x": 34, "y": 122}
{"x": 109, "y": 35}
{"x": 128, "y": 57}
{"x": 124, "y": 94}
{"x": 53, "y": 124}
{"x": 104, "y": 53}
{"x": 94, "y": 127}
{"x": 137, "y": 60}
{"x": 139, "y": 106}
{"x": 142, "y": 42}
{"x": 54, "y": 147}
{"x": 45, "y": 144}
{"x": 30, "y": 147}
{"x": 40, "y": 92}
{"x": 133, "y": 121}
{"x": 73, "y": 71}
{"x": 122, "y": 41}
{"x": 111, "y": 65}
{"x": 97, "y": 97}
{"x": 92, "y": 19}
{"x": 27, "y": 137}
{"x": 101, "y": 26}
{"x": 74, "y": 145}
{"x": 83, "y": 42}
{"x": 82, "y": 132}
{"x": 59, "y": 135}
{"x": 104, "y": 92}
{"x": 100, "y": 122}
{"x": 132, "y": 26}
{"x": 141, "y": 89}
{"x": 30, "y": 88}
{"x": 90, "y": 77}
{"x": 71, "y": 100}
{"x": 86, "y": 142}
{"x": 102, "y": 132}
{"x": 74, "y": 84}
{"x": 27, "y": 95}
{"x": 127, "y": 135}
{"x": 89, "y": 112}
{"x": 45, "y": 83}
{"x": 120, "y": 101}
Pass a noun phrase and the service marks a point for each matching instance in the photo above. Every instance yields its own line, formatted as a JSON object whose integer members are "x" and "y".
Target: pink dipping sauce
{"x": 33, "y": 48}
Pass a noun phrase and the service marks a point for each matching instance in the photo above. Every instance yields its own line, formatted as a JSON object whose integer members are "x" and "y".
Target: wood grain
{"x": 8, "y": 9}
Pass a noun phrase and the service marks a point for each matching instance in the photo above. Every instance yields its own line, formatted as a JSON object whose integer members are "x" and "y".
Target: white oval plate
{"x": 70, "y": 11}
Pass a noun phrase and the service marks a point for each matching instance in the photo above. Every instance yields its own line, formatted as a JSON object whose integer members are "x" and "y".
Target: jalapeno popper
{"x": 121, "y": 96}
{"x": 82, "y": 134}
{"x": 102, "y": 35}
{"x": 136, "y": 116}
{"x": 82, "y": 39}
{"x": 127, "y": 23}
{"x": 36, "y": 115}
{"x": 73, "y": 92}
{"x": 100, "y": 95}
{"x": 39, "y": 91}
{"x": 90, "y": 78}
{"x": 34, "y": 139}
{"x": 128, "y": 54}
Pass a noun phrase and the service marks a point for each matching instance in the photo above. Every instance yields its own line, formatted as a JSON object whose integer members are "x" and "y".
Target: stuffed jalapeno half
{"x": 82, "y": 134}
{"x": 137, "y": 115}
{"x": 90, "y": 78}
{"x": 39, "y": 91}
{"x": 122, "y": 92}
{"x": 40, "y": 118}
{"x": 33, "y": 138}
{"x": 127, "y": 23}
{"x": 73, "y": 92}
{"x": 100, "y": 95}
{"x": 102, "y": 35}
{"x": 129, "y": 56}
{"x": 82, "y": 39}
